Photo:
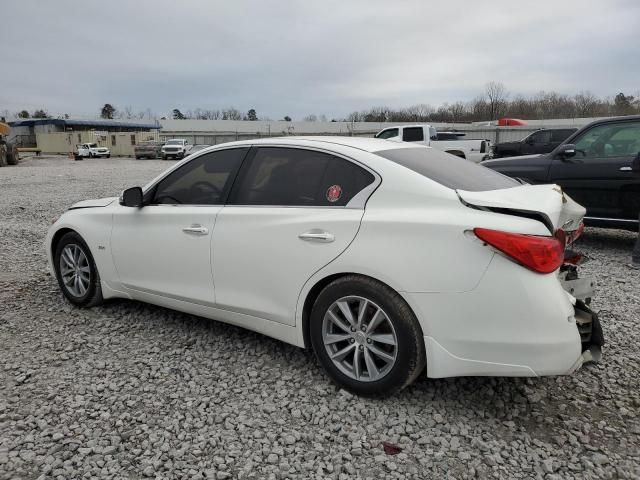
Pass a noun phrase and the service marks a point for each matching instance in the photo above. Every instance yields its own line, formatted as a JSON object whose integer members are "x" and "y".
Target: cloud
{"x": 294, "y": 58}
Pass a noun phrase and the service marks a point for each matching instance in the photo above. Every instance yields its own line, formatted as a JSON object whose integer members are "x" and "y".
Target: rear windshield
{"x": 448, "y": 170}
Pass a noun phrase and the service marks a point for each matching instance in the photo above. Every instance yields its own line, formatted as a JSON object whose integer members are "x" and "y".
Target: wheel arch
{"x": 55, "y": 239}
{"x": 313, "y": 293}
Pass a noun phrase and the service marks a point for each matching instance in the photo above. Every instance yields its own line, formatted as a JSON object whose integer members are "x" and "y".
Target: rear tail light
{"x": 538, "y": 253}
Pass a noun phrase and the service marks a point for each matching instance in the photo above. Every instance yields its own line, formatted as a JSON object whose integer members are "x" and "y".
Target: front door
{"x": 164, "y": 248}
{"x": 604, "y": 175}
{"x": 290, "y": 213}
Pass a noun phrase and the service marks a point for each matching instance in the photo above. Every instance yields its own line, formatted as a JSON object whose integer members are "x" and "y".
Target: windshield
{"x": 174, "y": 142}
{"x": 448, "y": 170}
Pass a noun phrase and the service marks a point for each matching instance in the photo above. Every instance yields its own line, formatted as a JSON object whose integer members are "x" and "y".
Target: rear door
{"x": 291, "y": 212}
{"x": 602, "y": 175}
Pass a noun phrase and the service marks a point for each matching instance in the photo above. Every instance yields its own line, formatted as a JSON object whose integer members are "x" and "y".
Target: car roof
{"x": 366, "y": 144}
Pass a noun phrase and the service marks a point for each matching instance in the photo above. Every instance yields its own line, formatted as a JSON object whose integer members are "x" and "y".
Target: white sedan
{"x": 384, "y": 258}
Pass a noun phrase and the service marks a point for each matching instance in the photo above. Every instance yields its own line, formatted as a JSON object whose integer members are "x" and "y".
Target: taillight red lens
{"x": 538, "y": 253}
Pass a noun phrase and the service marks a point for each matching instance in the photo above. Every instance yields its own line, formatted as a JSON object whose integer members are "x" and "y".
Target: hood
{"x": 548, "y": 203}
{"x": 100, "y": 202}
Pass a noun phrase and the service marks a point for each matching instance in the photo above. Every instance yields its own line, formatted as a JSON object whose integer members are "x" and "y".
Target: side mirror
{"x": 567, "y": 150}
{"x": 131, "y": 197}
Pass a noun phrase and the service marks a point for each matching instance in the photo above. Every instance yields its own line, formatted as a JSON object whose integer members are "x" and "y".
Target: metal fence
{"x": 494, "y": 134}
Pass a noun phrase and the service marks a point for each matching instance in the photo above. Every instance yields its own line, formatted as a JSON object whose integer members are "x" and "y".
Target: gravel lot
{"x": 129, "y": 390}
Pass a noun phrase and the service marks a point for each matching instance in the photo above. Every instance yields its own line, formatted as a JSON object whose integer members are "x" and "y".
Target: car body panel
{"x": 151, "y": 268}
{"x": 548, "y": 200}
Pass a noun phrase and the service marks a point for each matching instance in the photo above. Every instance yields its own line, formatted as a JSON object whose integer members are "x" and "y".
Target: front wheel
{"x": 366, "y": 336}
{"x": 76, "y": 271}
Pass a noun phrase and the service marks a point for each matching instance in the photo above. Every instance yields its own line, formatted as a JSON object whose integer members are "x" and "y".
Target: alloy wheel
{"x": 359, "y": 338}
{"x": 75, "y": 270}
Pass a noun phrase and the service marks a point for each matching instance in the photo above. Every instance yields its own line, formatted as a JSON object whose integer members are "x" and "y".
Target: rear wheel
{"x": 12, "y": 154}
{"x": 366, "y": 337}
{"x": 76, "y": 271}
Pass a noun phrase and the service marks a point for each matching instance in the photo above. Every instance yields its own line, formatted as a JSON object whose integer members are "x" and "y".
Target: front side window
{"x": 296, "y": 177}
{"x": 609, "y": 140}
{"x": 389, "y": 133}
{"x": 205, "y": 180}
{"x": 413, "y": 134}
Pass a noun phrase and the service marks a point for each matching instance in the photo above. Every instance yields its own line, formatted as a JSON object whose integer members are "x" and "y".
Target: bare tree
{"x": 497, "y": 95}
{"x": 311, "y": 118}
{"x": 231, "y": 114}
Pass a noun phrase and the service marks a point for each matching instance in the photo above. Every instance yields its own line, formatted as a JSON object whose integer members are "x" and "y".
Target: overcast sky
{"x": 300, "y": 57}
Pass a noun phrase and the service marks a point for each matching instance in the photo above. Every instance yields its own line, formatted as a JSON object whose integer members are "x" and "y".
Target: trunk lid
{"x": 547, "y": 203}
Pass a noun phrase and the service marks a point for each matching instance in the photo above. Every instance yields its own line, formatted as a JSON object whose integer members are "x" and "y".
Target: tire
{"x": 3, "y": 156}
{"x": 12, "y": 155}
{"x": 109, "y": 156}
{"x": 138, "y": 158}
{"x": 164, "y": 157}
{"x": 398, "y": 324}
{"x": 92, "y": 295}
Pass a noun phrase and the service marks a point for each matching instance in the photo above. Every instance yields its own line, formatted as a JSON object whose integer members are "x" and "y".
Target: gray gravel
{"x": 129, "y": 390}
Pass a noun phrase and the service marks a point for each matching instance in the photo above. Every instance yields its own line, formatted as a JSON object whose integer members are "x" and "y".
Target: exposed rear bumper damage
{"x": 591, "y": 337}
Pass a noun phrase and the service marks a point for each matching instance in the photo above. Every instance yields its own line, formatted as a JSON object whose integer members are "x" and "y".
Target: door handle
{"x": 196, "y": 230}
{"x": 317, "y": 236}
{"x": 625, "y": 169}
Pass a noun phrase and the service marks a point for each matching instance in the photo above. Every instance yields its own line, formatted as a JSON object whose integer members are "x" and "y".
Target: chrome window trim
{"x": 358, "y": 201}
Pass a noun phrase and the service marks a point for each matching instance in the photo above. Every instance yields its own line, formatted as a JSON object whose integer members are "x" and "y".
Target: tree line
{"x": 495, "y": 102}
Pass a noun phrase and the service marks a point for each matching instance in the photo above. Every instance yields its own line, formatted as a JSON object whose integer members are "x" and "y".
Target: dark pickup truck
{"x": 541, "y": 141}
{"x": 598, "y": 166}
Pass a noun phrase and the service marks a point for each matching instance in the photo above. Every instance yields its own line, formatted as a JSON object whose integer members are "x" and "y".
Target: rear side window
{"x": 205, "y": 180}
{"x": 296, "y": 177}
{"x": 389, "y": 133}
{"x": 448, "y": 170}
{"x": 560, "y": 135}
{"x": 413, "y": 134}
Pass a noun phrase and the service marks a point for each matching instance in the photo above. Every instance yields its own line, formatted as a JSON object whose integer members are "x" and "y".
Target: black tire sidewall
{"x": 94, "y": 282}
{"x": 404, "y": 324}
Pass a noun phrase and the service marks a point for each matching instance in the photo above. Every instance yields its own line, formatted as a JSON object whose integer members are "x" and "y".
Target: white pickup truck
{"x": 176, "y": 148}
{"x": 450, "y": 142}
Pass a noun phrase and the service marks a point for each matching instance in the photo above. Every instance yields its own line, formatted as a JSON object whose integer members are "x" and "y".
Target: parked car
{"x": 383, "y": 257}
{"x": 450, "y": 142}
{"x": 541, "y": 141}
{"x": 148, "y": 150}
{"x": 175, "y": 148}
{"x": 598, "y": 166}
{"x": 92, "y": 150}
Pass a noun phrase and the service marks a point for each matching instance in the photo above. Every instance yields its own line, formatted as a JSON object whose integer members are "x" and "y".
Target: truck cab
{"x": 449, "y": 142}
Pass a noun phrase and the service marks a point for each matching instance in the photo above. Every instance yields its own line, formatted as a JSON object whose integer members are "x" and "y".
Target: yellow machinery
{"x": 8, "y": 152}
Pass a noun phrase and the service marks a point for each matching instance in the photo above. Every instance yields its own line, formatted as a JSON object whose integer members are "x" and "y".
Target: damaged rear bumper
{"x": 581, "y": 291}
